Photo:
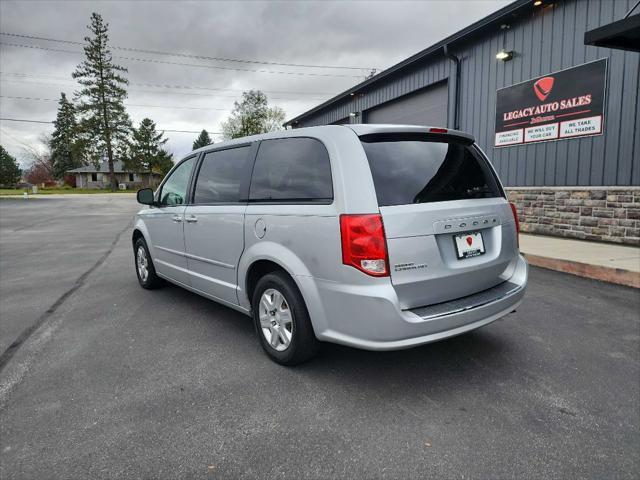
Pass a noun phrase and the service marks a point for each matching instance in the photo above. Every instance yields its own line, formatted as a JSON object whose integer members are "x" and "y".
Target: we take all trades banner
{"x": 564, "y": 104}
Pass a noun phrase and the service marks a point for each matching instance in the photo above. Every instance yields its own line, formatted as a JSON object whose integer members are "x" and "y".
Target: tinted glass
{"x": 415, "y": 169}
{"x": 293, "y": 169}
{"x": 174, "y": 190}
{"x": 220, "y": 176}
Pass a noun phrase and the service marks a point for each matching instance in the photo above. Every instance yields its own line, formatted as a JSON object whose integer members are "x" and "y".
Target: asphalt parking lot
{"x": 120, "y": 382}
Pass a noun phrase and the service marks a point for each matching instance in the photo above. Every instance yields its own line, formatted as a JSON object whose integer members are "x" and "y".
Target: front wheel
{"x": 145, "y": 269}
{"x": 282, "y": 321}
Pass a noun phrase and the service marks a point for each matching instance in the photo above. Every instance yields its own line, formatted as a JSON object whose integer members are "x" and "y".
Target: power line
{"x": 24, "y": 120}
{"x": 127, "y": 104}
{"x": 215, "y": 67}
{"x": 155, "y": 92}
{"x": 186, "y": 55}
{"x": 206, "y": 95}
{"x": 183, "y": 87}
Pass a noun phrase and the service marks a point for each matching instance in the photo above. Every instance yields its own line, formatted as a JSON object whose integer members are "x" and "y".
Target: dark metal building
{"x": 459, "y": 82}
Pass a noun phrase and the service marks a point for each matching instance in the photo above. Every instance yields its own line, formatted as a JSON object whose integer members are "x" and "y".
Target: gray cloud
{"x": 357, "y": 33}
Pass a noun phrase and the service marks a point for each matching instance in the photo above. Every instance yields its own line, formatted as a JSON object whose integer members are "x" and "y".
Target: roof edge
{"x": 504, "y": 11}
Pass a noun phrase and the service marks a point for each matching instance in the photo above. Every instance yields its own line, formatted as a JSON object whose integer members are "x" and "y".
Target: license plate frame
{"x": 464, "y": 249}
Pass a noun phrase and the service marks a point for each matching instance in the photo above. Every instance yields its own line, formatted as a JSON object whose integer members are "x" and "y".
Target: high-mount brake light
{"x": 438, "y": 130}
{"x": 515, "y": 217}
{"x": 364, "y": 245}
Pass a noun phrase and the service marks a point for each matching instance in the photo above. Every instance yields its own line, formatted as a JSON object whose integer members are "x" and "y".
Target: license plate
{"x": 469, "y": 244}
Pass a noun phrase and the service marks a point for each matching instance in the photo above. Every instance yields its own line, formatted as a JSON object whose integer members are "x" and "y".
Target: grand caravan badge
{"x": 401, "y": 267}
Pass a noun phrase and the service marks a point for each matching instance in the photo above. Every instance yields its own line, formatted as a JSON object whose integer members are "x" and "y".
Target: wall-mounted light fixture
{"x": 353, "y": 114}
{"x": 504, "y": 55}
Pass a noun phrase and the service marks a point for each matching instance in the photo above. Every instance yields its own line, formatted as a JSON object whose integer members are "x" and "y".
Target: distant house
{"x": 91, "y": 177}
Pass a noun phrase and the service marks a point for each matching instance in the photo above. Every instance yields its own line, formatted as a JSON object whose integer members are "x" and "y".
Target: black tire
{"x": 303, "y": 343}
{"x": 152, "y": 280}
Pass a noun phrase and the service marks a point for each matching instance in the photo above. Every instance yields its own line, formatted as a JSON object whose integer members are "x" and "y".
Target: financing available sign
{"x": 565, "y": 104}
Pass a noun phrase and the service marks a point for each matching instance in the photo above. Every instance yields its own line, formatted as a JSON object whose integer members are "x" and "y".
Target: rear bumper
{"x": 369, "y": 317}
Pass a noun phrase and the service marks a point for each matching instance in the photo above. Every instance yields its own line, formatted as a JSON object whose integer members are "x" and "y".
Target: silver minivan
{"x": 380, "y": 237}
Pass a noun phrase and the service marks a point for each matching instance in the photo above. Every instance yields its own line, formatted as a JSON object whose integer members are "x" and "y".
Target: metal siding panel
{"x": 621, "y": 72}
{"x": 568, "y": 162}
{"x": 592, "y": 148}
{"x": 555, "y": 63}
{"x": 585, "y": 152}
{"x": 509, "y": 156}
{"x": 468, "y": 73}
{"x": 578, "y": 53}
{"x": 613, "y": 114}
{"x": 600, "y": 150}
{"x": 519, "y": 151}
{"x": 488, "y": 86}
{"x": 635, "y": 154}
{"x": 533, "y": 69}
{"x": 629, "y": 123}
{"x": 484, "y": 81}
{"x": 477, "y": 90}
{"x": 451, "y": 97}
{"x": 488, "y": 112}
{"x": 544, "y": 66}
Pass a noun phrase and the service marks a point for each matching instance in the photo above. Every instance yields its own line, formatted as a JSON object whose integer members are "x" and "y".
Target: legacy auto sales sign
{"x": 565, "y": 104}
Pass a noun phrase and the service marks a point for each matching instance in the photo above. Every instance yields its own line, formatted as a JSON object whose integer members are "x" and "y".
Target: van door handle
{"x": 191, "y": 219}
{"x": 177, "y": 218}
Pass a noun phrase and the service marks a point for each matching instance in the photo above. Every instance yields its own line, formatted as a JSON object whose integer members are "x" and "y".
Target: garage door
{"x": 426, "y": 107}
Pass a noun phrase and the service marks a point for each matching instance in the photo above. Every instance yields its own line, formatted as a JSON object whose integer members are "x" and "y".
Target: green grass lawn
{"x": 48, "y": 191}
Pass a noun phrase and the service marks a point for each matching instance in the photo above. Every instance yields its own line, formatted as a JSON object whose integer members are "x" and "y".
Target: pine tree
{"x": 202, "y": 141}
{"x": 146, "y": 152}
{"x": 252, "y": 116}
{"x": 10, "y": 172}
{"x": 164, "y": 163}
{"x": 66, "y": 146}
{"x": 104, "y": 122}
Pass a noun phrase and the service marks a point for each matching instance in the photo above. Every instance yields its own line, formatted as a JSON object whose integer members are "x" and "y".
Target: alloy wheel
{"x": 276, "y": 320}
{"x": 142, "y": 264}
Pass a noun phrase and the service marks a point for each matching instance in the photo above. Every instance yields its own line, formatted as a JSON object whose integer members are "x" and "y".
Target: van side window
{"x": 220, "y": 176}
{"x": 291, "y": 169}
{"x": 174, "y": 190}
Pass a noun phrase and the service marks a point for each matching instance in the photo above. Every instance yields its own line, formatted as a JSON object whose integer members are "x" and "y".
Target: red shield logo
{"x": 469, "y": 241}
{"x": 543, "y": 87}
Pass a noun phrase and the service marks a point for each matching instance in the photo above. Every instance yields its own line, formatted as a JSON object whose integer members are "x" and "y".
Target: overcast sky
{"x": 349, "y": 34}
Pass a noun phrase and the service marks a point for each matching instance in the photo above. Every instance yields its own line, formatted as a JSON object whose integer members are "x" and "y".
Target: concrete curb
{"x": 596, "y": 272}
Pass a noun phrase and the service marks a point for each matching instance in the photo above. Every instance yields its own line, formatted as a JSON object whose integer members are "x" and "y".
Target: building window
{"x": 131, "y": 177}
{"x": 94, "y": 177}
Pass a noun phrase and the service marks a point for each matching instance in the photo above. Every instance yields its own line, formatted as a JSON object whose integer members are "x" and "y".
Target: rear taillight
{"x": 363, "y": 244}
{"x": 515, "y": 218}
{"x": 438, "y": 130}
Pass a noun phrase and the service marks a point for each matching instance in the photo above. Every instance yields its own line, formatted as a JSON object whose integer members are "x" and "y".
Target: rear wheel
{"x": 282, "y": 321}
{"x": 145, "y": 270}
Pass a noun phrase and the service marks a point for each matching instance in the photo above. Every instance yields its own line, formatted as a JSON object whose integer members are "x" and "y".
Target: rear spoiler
{"x": 363, "y": 130}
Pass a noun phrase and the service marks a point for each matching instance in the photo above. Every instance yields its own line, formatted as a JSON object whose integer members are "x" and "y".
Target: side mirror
{"x": 145, "y": 196}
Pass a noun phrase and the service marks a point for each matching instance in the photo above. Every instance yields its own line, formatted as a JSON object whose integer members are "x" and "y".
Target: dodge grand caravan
{"x": 379, "y": 237}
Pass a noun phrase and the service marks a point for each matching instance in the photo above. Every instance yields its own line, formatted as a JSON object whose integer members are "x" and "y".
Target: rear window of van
{"x": 419, "y": 168}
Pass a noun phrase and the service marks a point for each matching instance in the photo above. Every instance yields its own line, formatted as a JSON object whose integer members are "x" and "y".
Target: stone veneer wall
{"x": 603, "y": 214}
